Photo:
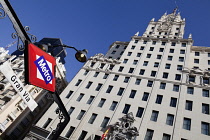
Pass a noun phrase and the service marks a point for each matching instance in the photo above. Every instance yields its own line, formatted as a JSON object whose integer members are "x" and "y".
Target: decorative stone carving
{"x": 123, "y": 130}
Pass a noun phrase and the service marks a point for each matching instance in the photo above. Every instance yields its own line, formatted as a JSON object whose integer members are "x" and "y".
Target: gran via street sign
{"x": 7, "y": 71}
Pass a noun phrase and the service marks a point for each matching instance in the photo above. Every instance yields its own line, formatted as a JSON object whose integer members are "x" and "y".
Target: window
{"x": 120, "y": 92}
{"x": 191, "y": 78}
{"x": 167, "y": 66}
{"x": 141, "y": 72}
{"x": 71, "y": 109}
{"x": 126, "y": 108}
{"x": 196, "y": 61}
{"x": 86, "y": 72}
{"x": 208, "y": 62}
{"x": 179, "y": 67}
{"x": 170, "y": 58}
{"x": 145, "y": 63}
{"x": 105, "y": 122}
{"x": 145, "y": 96}
{"x": 121, "y": 69}
{"x": 47, "y": 123}
{"x": 101, "y": 103}
{"x": 166, "y": 137}
{"x": 133, "y": 47}
{"x": 148, "y": 55}
{"x": 80, "y": 97}
{"x": 173, "y": 43}
{"x": 149, "y": 83}
{"x": 125, "y": 61}
{"x": 171, "y": 51}
{"x": 89, "y": 84}
{"x": 113, "y": 106}
{"x": 161, "y": 49}
{"x": 153, "y": 73}
{"x": 113, "y": 52}
{"x": 111, "y": 67}
{"x": 163, "y": 43}
{"x": 181, "y": 59}
{"x": 153, "y": 42}
{"x": 126, "y": 79}
{"x": 187, "y": 123}
{"x": 138, "y": 54}
{"x": 205, "y": 128}
{"x": 205, "y": 80}
{"x": 102, "y": 66}
{"x": 170, "y": 119}
{"x": 82, "y": 112}
{"x": 197, "y": 53}
{"x": 159, "y": 56}
{"x": 139, "y": 112}
{"x": 173, "y": 102}
{"x": 125, "y": 47}
{"x": 159, "y": 99}
{"x": 162, "y": 85}
{"x": 129, "y": 53}
{"x": 205, "y": 108}
{"x": 109, "y": 89}
{"x": 69, "y": 94}
{"x": 70, "y": 131}
{"x": 105, "y": 76}
{"x": 97, "y": 137}
{"x": 188, "y": 105}
{"x": 92, "y": 118}
{"x": 92, "y": 64}
{"x": 133, "y": 93}
{"x": 156, "y": 64}
{"x": 78, "y": 82}
{"x": 82, "y": 135}
{"x": 184, "y": 44}
{"x": 98, "y": 87}
{"x": 136, "y": 41}
{"x": 142, "y": 48}
{"x": 182, "y": 51}
{"x": 149, "y": 134}
{"x": 145, "y": 42}
{"x": 135, "y": 62}
{"x": 131, "y": 70}
{"x": 151, "y": 49}
{"x": 205, "y": 93}
{"x": 178, "y": 77}
{"x": 176, "y": 88}
{"x": 154, "y": 116}
{"x": 138, "y": 81}
{"x": 165, "y": 75}
{"x": 90, "y": 99}
{"x": 190, "y": 90}
{"x": 115, "y": 77}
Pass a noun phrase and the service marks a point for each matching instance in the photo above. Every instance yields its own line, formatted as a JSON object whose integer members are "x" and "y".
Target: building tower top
{"x": 168, "y": 26}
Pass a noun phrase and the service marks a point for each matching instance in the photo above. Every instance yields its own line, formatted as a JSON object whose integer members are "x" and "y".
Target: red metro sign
{"x": 40, "y": 67}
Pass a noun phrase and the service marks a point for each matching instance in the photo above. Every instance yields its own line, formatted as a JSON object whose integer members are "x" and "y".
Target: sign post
{"x": 6, "y": 69}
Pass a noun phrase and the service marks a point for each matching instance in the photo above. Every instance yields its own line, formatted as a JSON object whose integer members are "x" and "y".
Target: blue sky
{"x": 96, "y": 24}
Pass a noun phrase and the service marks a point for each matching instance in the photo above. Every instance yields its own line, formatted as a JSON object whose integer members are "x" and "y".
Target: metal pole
{"x": 63, "y": 116}
{"x": 15, "y": 20}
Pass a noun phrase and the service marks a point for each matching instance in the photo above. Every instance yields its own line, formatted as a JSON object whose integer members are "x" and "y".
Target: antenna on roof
{"x": 177, "y": 8}
{"x": 10, "y": 45}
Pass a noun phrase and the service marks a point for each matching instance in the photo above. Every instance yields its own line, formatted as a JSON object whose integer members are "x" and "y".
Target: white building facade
{"x": 160, "y": 77}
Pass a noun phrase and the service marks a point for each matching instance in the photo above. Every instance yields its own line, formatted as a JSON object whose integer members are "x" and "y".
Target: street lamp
{"x": 81, "y": 55}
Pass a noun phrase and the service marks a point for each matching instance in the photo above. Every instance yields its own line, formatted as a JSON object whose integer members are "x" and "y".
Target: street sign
{"x": 7, "y": 71}
{"x": 39, "y": 67}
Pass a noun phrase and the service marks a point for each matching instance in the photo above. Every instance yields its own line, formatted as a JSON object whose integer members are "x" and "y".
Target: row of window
{"x": 181, "y": 59}
{"x": 198, "y": 54}
{"x": 162, "y": 43}
{"x": 197, "y": 61}
{"x": 160, "y": 50}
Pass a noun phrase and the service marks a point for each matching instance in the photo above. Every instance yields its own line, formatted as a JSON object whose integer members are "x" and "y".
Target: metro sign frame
{"x": 39, "y": 67}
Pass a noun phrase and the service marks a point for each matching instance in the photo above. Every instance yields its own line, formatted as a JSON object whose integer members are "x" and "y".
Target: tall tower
{"x": 159, "y": 78}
